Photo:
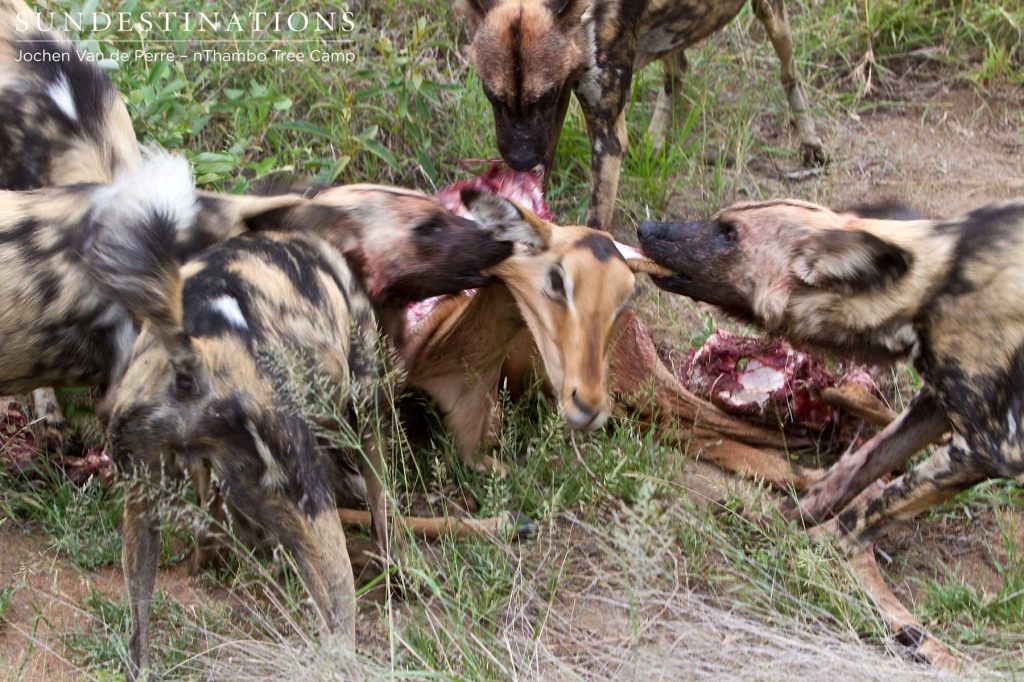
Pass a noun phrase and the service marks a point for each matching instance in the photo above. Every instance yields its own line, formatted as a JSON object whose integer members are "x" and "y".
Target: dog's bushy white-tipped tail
{"x": 131, "y": 251}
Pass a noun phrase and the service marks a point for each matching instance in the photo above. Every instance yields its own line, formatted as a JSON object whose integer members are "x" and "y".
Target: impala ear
{"x": 638, "y": 262}
{"x": 849, "y": 261}
{"x": 507, "y": 221}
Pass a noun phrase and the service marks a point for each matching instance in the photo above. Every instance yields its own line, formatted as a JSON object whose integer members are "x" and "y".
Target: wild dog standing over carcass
{"x": 201, "y": 393}
{"x": 949, "y": 295}
{"x": 532, "y": 54}
{"x": 62, "y": 122}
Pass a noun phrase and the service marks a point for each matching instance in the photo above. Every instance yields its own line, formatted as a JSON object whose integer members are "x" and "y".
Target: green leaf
{"x": 283, "y": 104}
{"x": 303, "y": 127}
{"x": 377, "y": 149}
{"x": 427, "y": 164}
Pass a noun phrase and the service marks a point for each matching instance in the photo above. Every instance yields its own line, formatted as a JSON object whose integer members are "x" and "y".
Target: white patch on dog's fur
{"x": 274, "y": 477}
{"x": 60, "y": 92}
{"x": 1012, "y": 431}
{"x": 163, "y": 185}
{"x": 229, "y": 308}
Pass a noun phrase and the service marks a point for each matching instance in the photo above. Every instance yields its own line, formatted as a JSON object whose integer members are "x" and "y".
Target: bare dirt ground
{"x": 941, "y": 150}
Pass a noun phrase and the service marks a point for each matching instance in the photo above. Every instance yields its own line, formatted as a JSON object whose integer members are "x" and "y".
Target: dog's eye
{"x": 728, "y": 233}
{"x": 549, "y": 98}
{"x": 429, "y": 227}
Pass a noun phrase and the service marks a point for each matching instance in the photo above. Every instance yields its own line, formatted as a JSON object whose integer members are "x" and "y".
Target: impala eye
{"x": 556, "y": 288}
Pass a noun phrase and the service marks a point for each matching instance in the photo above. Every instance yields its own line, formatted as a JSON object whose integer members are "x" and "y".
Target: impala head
{"x": 570, "y": 284}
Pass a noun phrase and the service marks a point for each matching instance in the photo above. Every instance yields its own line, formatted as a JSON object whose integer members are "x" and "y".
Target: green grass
{"x": 624, "y": 563}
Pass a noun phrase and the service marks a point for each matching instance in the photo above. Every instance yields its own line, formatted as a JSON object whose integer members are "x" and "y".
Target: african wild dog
{"x": 531, "y": 54}
{"x": 947, "y": 294}
{"x": 56, "y": 328}
{"x": 61, "y": 123}
{"x": 213, "y": 375}
{"x": 565, "y": 290}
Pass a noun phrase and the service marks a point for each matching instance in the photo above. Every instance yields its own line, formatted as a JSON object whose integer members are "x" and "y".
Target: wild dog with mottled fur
{"x": 947, "y": 294}
{"x": 62, "y": 123}
{"x": 532, "y": 54}
{"x": 201, "y": 393}
{"x": 56, "y": 328}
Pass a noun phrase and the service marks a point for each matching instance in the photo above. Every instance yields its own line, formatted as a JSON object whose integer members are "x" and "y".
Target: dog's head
{"x": 750, "y": 258}
{"x": 405, "y": 246}
{"x": 570, "y": 284}
{"x": 527, "y": 54}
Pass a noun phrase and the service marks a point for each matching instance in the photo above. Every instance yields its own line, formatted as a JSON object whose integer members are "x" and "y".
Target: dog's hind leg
{"x": 139, "y": 555}
{"x": 49, "y": 427}
{"x": 773, "y": 15}
{"x": 675, "y": 66}
{"x": 922, "y": 423}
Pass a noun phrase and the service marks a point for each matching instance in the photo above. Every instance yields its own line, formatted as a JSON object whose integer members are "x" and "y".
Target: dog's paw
{"x": 813, "y": 154}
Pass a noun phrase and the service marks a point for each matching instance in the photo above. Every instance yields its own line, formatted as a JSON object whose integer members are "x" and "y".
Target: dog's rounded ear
{"x": 570, "y": 11}
{"x": 507, "y": 221}
{"x": 473, "y": 11}
{"x": 849, "y": 261}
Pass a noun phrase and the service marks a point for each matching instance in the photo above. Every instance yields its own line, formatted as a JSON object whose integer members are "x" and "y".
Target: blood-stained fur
{"x": 213, "y": 377}
{"x": 531, "y": 55}
{"x": 949, "y": 295}
{"x": 565, "y": 290}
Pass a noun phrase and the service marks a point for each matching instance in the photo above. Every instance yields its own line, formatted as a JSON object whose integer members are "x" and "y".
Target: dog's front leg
{"x": 922, "y": 423}
{"x": 950, "y": 470}
{"x": 604, "y": 108}
{"x": 773, "y": 15}
{"x": 139, "y": 554}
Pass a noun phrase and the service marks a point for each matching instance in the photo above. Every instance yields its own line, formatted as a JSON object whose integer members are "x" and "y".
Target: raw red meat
{"x": 523, "y": 188}
{"x": 767, "y": 380}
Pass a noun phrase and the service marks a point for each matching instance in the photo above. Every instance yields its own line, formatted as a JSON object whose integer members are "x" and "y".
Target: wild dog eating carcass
{"x": 204, "y": 391}
{"x": 949, "y": 295}
{"x": 532, "y": 54}
{"x": 62, "y": 123}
